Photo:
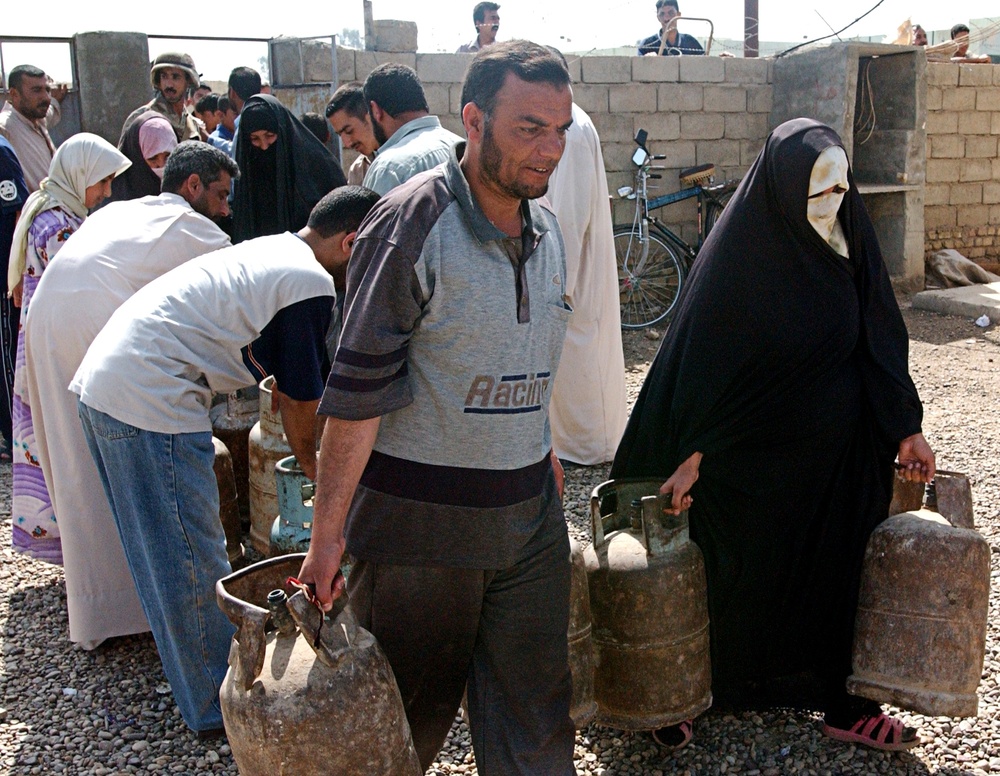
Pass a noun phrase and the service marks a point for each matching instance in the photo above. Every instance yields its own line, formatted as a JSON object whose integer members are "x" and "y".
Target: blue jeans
{"x": 165, "y": 501}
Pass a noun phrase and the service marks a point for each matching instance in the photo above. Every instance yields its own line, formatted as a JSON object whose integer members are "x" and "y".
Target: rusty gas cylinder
{"x": 268, "y": 445}
{"x": 229, "y": 511}
{"x": 649, "y": 607}
{"x": 581, "y": 652}
{"x": 920, "y": 632}
{"x": 305, "y": 699}
{"x": 232, "y": 418}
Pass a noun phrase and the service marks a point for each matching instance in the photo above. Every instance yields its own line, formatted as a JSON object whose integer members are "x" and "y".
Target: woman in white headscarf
{"x": 79, "y": 178}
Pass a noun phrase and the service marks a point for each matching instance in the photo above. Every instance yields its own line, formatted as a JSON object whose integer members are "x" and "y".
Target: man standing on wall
{"x": 668, "y": 41}
{"x": 486, "y": 18}
{"x": 173, "y": 75}
{"x": 32, "y": 109}
{"x": 437, "y": 453}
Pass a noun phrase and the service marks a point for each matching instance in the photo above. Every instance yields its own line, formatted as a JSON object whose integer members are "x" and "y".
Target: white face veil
{"x": 828, "y": 172}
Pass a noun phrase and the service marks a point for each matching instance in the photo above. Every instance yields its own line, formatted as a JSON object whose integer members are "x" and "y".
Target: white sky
{"x": 572, "y": 25}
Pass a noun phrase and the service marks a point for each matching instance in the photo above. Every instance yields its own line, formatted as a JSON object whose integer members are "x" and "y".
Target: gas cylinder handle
{"x": 662, "y": 531}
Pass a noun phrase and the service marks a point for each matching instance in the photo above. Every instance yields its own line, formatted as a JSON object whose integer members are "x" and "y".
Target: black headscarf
{"x": 761, "y": 316}
{"x": 278, "y": 188}
{"x": 786, "y": 366}
{"x": 138, "y": 180}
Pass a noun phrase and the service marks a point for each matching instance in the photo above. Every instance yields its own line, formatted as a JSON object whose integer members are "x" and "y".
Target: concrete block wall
{"x": 696, "y": 110}
{"x": 962, "y": 197}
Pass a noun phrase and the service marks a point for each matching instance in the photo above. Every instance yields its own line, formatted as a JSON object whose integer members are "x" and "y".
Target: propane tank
{"x": 232, "y": 418}
{"x": 648, "y": 601}
{"x": 920, "y": 631}
{"x": 292, "y": 528}
{"x": 229, "y": 511}
{"x": 307, "y": 694}
{"x": 267, "y": 446}
{"x": 581, "y": 651}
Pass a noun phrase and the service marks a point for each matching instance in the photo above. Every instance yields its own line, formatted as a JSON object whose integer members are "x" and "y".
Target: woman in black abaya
{"x": 774, "y": 409}
{"x": 284, "y": 170}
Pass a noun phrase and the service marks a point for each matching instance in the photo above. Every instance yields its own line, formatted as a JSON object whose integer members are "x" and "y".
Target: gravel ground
{"x": 110, "y": 711}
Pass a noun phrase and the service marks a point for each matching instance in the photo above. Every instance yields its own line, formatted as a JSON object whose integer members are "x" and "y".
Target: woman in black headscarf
{"x": 284, "y": 170}
{"x": 774, "y": 409}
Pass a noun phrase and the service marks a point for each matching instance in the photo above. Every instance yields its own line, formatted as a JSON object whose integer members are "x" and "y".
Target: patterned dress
{"x": 34, "y": 524}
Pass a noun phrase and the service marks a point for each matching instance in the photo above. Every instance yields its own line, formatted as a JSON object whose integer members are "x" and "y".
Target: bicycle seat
{"x": 697, "y": 174}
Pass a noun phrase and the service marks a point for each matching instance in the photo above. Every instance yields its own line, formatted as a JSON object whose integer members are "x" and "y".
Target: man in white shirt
{"x": 117, "y": 251}
{"x": 32, "y": 109}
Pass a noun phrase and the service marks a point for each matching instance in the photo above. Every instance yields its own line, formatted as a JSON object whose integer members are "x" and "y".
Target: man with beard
{"x": 32, "y": 109}
{"x": 436, "y": 453}
{"x": 173, "y": 74}
{"x": 117, "y": 251}
{"x": 410, "y": 139}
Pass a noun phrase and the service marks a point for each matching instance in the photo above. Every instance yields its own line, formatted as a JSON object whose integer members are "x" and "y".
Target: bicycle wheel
{"x": 648, "y": 280}
{"x": 714, "y": 208}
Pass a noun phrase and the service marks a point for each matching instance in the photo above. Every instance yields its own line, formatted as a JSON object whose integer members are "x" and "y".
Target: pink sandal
{"x": 879, "y": 731}
{"x": 674, "y": 737}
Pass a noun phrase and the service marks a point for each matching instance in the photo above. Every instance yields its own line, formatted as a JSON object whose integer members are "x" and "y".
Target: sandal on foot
{"x": 674, "y": 737}
{"x": 879, "y": 731}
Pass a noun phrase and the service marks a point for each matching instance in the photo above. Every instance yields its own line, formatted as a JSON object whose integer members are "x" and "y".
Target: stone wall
{"x": 962, "y": 198}
{"x": 696, "y": 110}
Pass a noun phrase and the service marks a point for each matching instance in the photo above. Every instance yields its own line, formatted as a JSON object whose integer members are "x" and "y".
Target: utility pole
{"x": 751, "y": 29}
{"x": 370, "y": 26}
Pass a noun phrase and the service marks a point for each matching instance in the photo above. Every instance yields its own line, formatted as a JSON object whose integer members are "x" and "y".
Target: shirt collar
{"x": 534, "y": 221}
{"x": 35, "y": 124}
{"x": 424, "y": 122}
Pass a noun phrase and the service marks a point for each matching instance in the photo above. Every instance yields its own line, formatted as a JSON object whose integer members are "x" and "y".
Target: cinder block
{"x": 702, "y": 126}
{"x": 366, "y": 61}
{"x": 946, "y": 147}
{"x": 575, "y": 69}
{"x": 702, "y": 69}
{"x": 745, "y": 126}
{"x": 722, "y": 153}
{"x": 345, "y": 64}
{"x": 749, "y": 151}
{"x": 966, "y": 194}
{"x": 725, "y": 99}
{"x": 746, "y": 71}
{"x": 995, "y": 123}
{"x": 655, "y": 68}
{"x": 632, "y": 98}
{"x": 988, "y": 98}
{"x": 680, "y": 153}
{"x": 442, "y": 68}
{"x": 606, "y": 70}
{"x": 942, "y": 171}
{"x": 939, "y": 216}
{"x": 760, "y": 99}
{"x": 991, "y": 193}
{"x": 618, "y": 156}
{"x": 938, "y": 194}
{"x": 942, "y": 122}
{"x": 438, "y": 98}
{"x": 935, "y": 97}
{"x": 975, "y": 170}
{"x": 453, "y": 123}
{"x": 660, "y": 126}
{"x": 395, "y": 35}
{"x": 959, "y": 99}
{"x": 994, "y": 219}
{"x": 455, "y": 99}
{"x": 974, "y": 123}
{"x": 613, "y": 128}
{"x": 981, "y": 147}
{"x": 593, "y": 98}
{"x": 975, "y": 75}
{"x": 942, "y": 74}
{"x": 683, "y": 98}
{"x": 972, "y": 215}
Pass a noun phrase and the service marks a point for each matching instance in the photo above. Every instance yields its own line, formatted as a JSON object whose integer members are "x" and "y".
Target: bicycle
{"x": 653, "y": 260}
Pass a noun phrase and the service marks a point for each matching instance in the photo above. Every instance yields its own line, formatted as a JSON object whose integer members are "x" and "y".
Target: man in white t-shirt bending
{"x": 217, "y": 323}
